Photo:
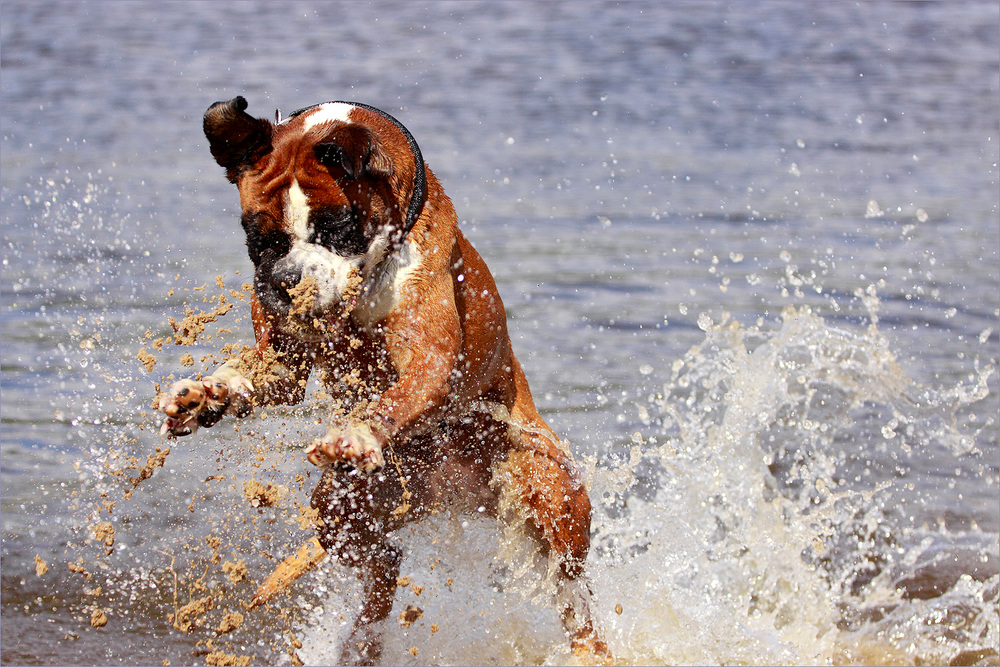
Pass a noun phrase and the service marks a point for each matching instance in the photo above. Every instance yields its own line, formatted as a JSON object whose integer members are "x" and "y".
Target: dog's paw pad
{"x": 182, "y": 404}
{"x": 191, "y": 403}
{"x": 355, "y": 447}
{"x": 185, "y": 397}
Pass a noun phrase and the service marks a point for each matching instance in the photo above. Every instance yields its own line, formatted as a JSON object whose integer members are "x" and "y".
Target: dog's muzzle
{"x": 310, "y": 281}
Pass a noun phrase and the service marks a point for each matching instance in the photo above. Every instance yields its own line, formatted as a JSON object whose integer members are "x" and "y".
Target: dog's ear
{"x": 356, "y": 150}
{"x": 236, "y": 139}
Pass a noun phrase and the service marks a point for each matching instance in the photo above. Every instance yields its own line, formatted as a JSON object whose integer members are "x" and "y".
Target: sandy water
{"x": 785, "y": 395}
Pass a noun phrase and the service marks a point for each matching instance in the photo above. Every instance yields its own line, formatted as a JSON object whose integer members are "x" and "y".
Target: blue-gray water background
{"x": 750, "y": 257}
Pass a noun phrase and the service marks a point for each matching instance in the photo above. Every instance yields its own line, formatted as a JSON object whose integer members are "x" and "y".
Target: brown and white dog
{"x": 362, "y": 274}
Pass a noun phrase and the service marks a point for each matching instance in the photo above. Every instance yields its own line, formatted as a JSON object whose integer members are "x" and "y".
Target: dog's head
{"x": 327, "y": 195}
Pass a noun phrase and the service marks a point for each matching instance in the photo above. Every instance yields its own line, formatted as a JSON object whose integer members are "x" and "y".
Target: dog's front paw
{"x": 192, "y": 403}
{"x": 353, "y": 447}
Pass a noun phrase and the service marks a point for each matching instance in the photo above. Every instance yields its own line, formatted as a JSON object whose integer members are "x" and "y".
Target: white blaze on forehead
{"x": 297, "y": 213}
{"x": 332, "y": 272}
{"x": 328, "y": 113}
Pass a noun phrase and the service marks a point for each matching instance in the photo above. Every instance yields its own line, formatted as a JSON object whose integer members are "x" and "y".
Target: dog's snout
{"x": 275, "y": 285}
{"x": 308, "y": 279}
{"x": 284, "y": 279}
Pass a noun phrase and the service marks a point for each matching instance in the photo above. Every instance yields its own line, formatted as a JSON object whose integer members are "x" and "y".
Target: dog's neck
{"x": 385, "y": 269}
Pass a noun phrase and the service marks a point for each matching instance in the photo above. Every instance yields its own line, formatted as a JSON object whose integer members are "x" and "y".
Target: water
{"x": 785, "y": 396}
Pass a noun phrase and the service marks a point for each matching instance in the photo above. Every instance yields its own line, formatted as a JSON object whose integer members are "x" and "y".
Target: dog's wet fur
{"x": 337, "y": 198}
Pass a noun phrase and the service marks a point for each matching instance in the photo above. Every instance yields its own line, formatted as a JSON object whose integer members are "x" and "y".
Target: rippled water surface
{"x": 749, "y": 257}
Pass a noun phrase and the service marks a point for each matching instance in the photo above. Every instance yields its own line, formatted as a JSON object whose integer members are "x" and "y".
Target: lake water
{"x": 750, "y": 259}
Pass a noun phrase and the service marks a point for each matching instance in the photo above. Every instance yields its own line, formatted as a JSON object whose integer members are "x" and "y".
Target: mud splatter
{"x": 78, "y": 568}
{"x": 303, "y": 297}
{"x": 223, "y": 659}
{"x": 105, "y": 532}
{"x": 308, "y": 518}
{"x": 235, "y": 572}
{"x": 147, "y": 359}
{"x": 153, "y": 461}
{"x": 230, "y": 621}
{"x": 98, "y": 618}
{"x": 190, "y": 615}
{"x": 259, "y": 494}
{"x": 410, "y": 615}
{"x": 187, "y": 331}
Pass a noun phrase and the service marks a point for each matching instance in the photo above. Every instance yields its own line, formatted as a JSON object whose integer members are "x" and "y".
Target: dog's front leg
{"x": 190, "y": 402}
{"x": 424, "y": 351}
{"x": 419, "y": 392}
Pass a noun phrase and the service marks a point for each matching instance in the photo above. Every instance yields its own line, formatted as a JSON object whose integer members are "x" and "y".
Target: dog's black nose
{"x": 272, "y": 288}
{"x": 284, "y": 279}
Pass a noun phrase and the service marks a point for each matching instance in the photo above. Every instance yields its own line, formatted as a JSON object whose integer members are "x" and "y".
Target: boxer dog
{"x": 361, "y": 273}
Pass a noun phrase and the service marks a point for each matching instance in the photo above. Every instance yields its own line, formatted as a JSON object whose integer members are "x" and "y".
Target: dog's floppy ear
{"x": 236, "y": 139}
{"x": 356, "y": 150}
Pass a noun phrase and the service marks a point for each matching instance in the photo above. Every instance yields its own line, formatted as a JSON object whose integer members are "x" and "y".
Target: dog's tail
{"x": 306, "y": 558}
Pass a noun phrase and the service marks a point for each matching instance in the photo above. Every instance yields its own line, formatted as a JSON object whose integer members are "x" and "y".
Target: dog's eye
{"x": 338, "y": 230}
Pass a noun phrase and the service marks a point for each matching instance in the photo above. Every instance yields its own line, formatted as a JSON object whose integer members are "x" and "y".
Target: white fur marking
{"x": 297, "y": 213}
{"x": 331, "y": 271}
{"x": 328, "y": 113}
{"x": 385, "y": 278}
{"x": 407, "y": 263}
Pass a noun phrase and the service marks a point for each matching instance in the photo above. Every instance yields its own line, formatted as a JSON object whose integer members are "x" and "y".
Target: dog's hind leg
{"x": 543, "y": 488}
{"x": 353, "y": 508}
{"x": 574, "y": 595}
{"x": 379, "y": 573}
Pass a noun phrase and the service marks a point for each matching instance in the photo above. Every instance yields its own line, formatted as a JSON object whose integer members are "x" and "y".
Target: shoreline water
{"x": 751, "y": 270}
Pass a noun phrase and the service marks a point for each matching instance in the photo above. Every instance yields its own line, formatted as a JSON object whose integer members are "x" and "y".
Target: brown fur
{"x": 450, "y": 409}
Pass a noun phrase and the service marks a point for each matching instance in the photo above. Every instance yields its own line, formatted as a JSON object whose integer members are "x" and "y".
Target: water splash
{"x": 748, "y": 523}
